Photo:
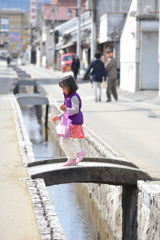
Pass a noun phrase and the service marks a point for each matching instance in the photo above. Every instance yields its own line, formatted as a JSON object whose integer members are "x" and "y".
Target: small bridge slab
{"x": 35, "y": 99}
{"x": 24, "y": 76}
{"x": 87, "y": 171}
{"x": 27, "y": 83}
{"x": 20, "y": 71}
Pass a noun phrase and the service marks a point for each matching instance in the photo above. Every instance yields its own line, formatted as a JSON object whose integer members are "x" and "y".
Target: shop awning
{"x": 65, "y": 46}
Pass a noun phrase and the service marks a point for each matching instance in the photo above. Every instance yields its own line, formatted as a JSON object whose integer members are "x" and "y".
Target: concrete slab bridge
{"x": 95, "y": 170}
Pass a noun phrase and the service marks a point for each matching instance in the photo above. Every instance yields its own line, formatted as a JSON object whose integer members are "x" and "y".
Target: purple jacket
{"x": 77, "y": 119}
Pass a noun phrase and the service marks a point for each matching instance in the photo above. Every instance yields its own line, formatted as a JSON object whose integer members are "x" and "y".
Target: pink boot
{"x": 70, "y": 162}
{"x": 80, "y": 156}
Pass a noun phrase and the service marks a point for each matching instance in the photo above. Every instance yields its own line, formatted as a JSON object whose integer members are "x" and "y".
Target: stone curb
{"x": 48, "y": 222}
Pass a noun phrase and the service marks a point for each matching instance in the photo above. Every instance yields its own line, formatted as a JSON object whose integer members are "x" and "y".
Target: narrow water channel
{"x": 78, "y": 215}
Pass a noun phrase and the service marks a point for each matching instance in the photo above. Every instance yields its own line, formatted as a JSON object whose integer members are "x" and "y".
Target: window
{"x": 68, "y": 58}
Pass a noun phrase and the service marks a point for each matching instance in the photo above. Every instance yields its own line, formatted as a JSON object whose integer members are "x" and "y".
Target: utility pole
{"x": 53, "y": 37}
{"x": 93, "y": 30}
{"x": 31, "y": 43}
{"x": 39, "y": 35}
{"x": 40, "y": 22}
{"x": 159, "y": 50}
{"x": 79, "y": 29}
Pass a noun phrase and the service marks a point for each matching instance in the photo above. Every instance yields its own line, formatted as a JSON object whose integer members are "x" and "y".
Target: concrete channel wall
{"x": 143, "y": 222}
{"x": 148, "y": 217}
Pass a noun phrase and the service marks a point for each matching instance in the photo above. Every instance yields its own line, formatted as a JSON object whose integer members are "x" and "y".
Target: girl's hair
{"x": 69, "y": 83}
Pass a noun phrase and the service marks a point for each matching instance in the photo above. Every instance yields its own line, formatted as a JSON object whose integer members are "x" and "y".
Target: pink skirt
{"x": 76, "y": 131}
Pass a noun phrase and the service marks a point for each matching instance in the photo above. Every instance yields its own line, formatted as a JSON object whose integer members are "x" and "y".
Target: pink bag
{"x": 63, "y": 129}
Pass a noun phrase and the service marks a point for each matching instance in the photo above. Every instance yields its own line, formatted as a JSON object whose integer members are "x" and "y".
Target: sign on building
{"x": 14, "y": 37}
{"x": 4, "y": 24}
{"x": 33, "y": 12}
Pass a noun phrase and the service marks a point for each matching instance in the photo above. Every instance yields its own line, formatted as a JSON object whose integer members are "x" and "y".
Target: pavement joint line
{"x": 127, "y": 99}
{"x": 130, "y": 100}
{"x": 50, "y": 229}
{"x": 143, "y": 103}
{"x": 148, "y": 104}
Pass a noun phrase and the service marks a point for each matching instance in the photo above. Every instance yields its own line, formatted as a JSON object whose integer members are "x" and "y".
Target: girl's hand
{"x": 62, "y": 107}
{"x": 55, "y": 119}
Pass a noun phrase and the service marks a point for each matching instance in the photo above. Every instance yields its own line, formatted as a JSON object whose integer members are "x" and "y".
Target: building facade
{"x": 111, "y": 16}
{"x": 67, "y": 41}
{"x": 49, "y": 17}
{"x": 14, "y": 30}
{"x": 139, "y": 47}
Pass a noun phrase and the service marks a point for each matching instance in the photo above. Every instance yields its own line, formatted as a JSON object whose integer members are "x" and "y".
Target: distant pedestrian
{"x": 8, "y": 58}
{"x": 98, "y": 72}
{"x": 72, "y": 101}
{"x": 111, "y": 70}
{"x": 75, "y": 66}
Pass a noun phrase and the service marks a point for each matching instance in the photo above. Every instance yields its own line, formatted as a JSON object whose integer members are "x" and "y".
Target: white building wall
{"x": 159, "y": 51}
{"x": 103, "y": 29}
{"x": 38, "y": 56}
{"x": 128, "y": 45}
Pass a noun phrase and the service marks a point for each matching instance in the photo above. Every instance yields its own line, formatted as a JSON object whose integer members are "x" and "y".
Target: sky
{"x": 20, "y": 4}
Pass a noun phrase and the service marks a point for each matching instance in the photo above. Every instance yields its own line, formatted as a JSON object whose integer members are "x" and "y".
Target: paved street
{"x": 131, "y": 125}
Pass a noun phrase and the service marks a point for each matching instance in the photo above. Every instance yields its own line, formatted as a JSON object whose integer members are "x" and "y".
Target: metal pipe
{"x": 79, "y": 29}
{"x": 53, "y": 37}
{"x": 93, "y": 30}
{"x": 153, "y": 12}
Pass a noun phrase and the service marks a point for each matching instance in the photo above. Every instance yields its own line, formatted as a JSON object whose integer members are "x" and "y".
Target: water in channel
{"x": 77, "y": 213}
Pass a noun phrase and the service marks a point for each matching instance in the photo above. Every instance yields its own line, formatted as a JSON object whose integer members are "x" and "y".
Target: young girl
{"x": 72, "y": 101}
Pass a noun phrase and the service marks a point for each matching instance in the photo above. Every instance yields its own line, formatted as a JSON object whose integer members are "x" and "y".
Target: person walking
{"x": 75, "y": 66}
{"x": 8, "y": 58}
{"x": 72, "y": 101}
{"x": 98, "y": 72}
{"x": 111, "y": 70}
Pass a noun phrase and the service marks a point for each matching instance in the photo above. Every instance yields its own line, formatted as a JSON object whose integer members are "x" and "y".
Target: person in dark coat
{"x": 8, "y": 60}
{"x": 111, "y": 70}
{"x": 98, "y": 72}
{"x": 75, "y": 66}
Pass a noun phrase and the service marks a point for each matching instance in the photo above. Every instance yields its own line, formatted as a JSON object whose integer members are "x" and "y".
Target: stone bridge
{"x": 33, "y": 99}
{"x": 95, "y": 170}
{"x": 29, "y": 98}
